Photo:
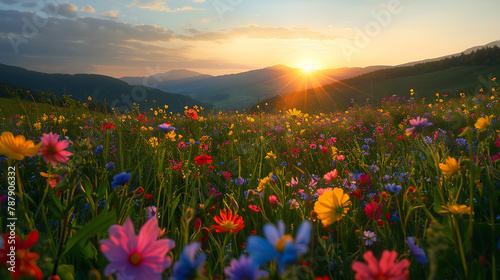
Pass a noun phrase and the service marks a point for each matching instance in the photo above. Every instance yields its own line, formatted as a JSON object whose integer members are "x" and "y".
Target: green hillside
{"x": 113, "y": 92}
{"x": 464, "y": 73}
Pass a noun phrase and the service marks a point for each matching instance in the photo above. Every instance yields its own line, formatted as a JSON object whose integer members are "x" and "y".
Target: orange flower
{"x": 17, "y": 147}
{"x": 228, "y": 222}
{"x": 191, "y": 113}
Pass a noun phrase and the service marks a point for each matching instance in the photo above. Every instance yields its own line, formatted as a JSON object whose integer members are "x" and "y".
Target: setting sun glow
{"x": 307, "y": 68}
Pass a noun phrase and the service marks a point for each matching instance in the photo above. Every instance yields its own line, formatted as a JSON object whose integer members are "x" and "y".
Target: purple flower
{"x": 418, "y": 124}
{"x": 393, "y": 188}
{"x": 166, "y": 128}
{"x": 99, "y": 149}
{"x": 244, "y": 268}
{"x": 417, "y": 252}
{"x": 370, "y": 237}
{"x": 152, "y": 212}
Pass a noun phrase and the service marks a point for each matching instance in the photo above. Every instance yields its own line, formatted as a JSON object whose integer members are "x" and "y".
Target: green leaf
{"x": 55, "y": 205}
{"x": 102, "y": 221}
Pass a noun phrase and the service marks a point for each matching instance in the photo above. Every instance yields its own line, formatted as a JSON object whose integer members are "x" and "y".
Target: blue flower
{"x": 279, "y": 246}
{"x": 120, "y": 179}
{"x": 99, "y": 149}
{"x": 188, "y": 264}
{"x": 166, "y": 128}
{"x": 244, "y": 268}
{"x": 417, "y": 252}
{"x": 393, "y": 188}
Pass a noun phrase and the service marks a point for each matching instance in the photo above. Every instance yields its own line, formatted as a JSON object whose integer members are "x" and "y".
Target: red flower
{"x": 191, "y": 113}
{"x": 255, "y": 208}
{"x": 227, "y": 175}
{"x": 201, "y": 160}
{"x": 106, "y": 126}
{"x": 364, "y": 179}
{"x": 140, "y": 117}
{"x": 228, "y": 222}
{"x": 25, "y": 262}
{"x": 373, "y": 213}
{"x": 322, "y": 278}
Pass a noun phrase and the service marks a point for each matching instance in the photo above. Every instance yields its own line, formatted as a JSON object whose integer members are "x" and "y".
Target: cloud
{"x": 258, "y": 32}
{"x": 111, "y": 14}
{"x": 160, "y": 6}
{"x": 9, "y": 2}
{"x": 198, "y": 1}
{"x": 67, "y": 10}
{"x": 87, "y": 9}
{"x": 192, "y": 30}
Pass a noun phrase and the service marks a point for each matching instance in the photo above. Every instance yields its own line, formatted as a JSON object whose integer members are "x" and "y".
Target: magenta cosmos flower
{"x": 418, "y": 124}
{"x": 136, "y": 257}
{"x": 53, "y": 150}
{"x": 386, "y": 268}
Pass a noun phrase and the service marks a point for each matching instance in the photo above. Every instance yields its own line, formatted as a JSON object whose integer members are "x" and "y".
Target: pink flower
{"x": 321, "y": 191}
{"x": 386, "y": 268}
{"x": 330, "y": 176}
{"x": 341, "y": 157}
{"x": 255, "y": 208}
{"x": 380, "y": 129}
{"x": 273, "y": 200}
{"x": 53, "y": 150}
{"x": 136, "y": 257}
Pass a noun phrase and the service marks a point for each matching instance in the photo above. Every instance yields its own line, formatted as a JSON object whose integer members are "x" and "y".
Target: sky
{"x": 143, "y": 37}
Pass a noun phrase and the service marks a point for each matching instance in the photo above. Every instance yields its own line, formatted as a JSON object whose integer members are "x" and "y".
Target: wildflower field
{"x": 407, "y": 189}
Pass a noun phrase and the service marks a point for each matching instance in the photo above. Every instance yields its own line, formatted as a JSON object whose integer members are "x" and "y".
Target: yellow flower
{"x": 294, "y": 113}
{"x": 264, "y": 182}
{"x": 153, "y": 141}
{"x": 90, "y": 98}
{"x": 334, "y": 151}
{"x": 450, "y": 166}
{"x": 483, "y": 123}
{"x": 332, "y": 206}
{"x": 456, "y": 209}
{"x": 171, "y": 135}
{"x": 17, "y": 147}
{"x": 270, "y": 155}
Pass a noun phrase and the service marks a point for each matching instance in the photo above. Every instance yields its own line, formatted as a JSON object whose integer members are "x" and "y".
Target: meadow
{"x": 407, "y": 189}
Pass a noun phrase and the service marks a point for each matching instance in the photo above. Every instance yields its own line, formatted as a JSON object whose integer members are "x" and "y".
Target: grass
{"x": 366, "y": 145}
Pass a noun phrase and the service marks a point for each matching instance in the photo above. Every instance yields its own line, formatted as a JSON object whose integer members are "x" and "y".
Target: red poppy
{"x": 191, "y": 113}
{"x": 201, "y": 160}
{"x": 140, "y": 117}
{"x": 25, "y": 262}
{"x": 106, "y": 126}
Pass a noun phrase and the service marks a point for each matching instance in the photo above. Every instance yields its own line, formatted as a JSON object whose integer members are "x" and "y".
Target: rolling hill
{"x": 242, "y": 90}
{"x": 104, "y": 89}
{"x": 462, "y": 73}
{"x": 162, "y": 80}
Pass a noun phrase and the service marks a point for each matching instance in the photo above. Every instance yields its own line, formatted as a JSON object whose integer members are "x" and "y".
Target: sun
{"x": 307, "y": 68}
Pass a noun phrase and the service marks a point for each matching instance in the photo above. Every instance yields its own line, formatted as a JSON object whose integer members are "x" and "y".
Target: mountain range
{"x": 242, "y": 90}
{"x": 104, "y": 89}
{"x": 279, "y": 85}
